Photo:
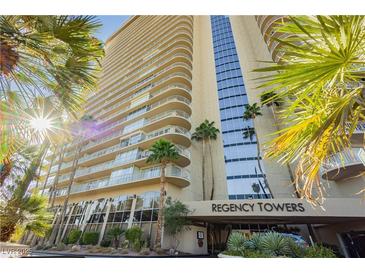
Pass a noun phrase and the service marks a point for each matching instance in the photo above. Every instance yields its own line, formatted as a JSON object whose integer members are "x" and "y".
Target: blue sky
{"x": 110, "y": 24}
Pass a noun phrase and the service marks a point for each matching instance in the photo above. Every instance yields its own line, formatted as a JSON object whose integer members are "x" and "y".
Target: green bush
{"x": 254, "y": 243}
{"x": 236, "y": 242}
{"x": 73, "y": 236}
{"x": 319, "y": 251}
{"x": 90, "y": 238}
{"x": 105, "y": 243}
{"x": 275, "y": 244}
{"x": 134, "y": 236}
{"x": 296, "y": 251}
{"x": 114, "y": 235}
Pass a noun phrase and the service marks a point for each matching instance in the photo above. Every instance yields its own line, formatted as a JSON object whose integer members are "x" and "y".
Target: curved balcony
{"x": 176, "y": 135}
{"x": 176, "y": 69}
{"x": 175, "y": 117}
{"x": 357, "y": 138}
{"x": 174, "y": 175}
{"x": 138, "y": 160}
{"x": 179, "y": 54}
{"x": 343, "y": 165}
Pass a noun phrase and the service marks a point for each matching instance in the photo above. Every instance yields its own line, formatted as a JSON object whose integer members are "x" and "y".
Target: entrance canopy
{"x": 275, "y": 211}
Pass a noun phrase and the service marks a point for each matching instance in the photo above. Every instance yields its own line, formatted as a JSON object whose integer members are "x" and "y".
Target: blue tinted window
{"x": 240, "y": 154}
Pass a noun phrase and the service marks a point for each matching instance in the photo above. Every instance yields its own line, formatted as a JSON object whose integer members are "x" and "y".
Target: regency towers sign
{"x": 258, "y": 206}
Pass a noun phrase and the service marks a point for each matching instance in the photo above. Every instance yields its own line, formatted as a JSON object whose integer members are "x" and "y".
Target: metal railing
{"x": 171, "y": 171}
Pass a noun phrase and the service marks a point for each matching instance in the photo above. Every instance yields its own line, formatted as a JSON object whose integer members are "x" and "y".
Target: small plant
{"x": 134, "y": 236}
{"x": 254, "y": 243}
{"x": 296, "y": 251}
{"x": 73, "y": 236}
{"x": 175, "y": 217}
{"x": 114, "y": 235}
{"x": 105, "y": 243}
{"x": 247, "y": 253}
{"x": 275, "y": 244}
{"x": 90, "y": 238}
{"x": 319, "y": 251}
{"x": 236, "y": 242}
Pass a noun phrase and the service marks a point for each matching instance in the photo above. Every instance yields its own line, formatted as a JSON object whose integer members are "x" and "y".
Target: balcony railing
{"x": 110, "y": 97}
{"x": 153, "y": 134}
{"x": 171, "y": 171}
{"x": 174, "y": 113}
{"x": 123, "y": 161}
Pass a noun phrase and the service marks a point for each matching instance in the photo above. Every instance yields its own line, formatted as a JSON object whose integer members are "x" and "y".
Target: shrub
{"x": 296, "y": 251}
{"x": 73, "y": 236}
{"x": 114, "y": 235}
{"x": 319, "y": 251}
{"x": 275, "y": 244}
{"x": 254, "y": 243}
{"x": 236, "y": 242}
{"x": 90, "y": 238}
{"x": 105, "y": 243}
{"x": 134, "y": 236}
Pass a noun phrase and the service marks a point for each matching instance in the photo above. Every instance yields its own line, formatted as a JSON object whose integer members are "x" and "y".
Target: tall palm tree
{"x": 162, "y": 152}
{"x": 82, "y": 129}
{"x": 250, "y": 113}
{"x": 271, "y": 100}
{"x": 322, "y": 81}
{"x": 206, "y": 132}
{"x": 41, "y": 55}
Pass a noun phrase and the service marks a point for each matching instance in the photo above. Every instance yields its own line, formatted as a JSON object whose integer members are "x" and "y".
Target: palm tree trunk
{"x": 203, "y": 170}
{"x": 52, "y": 195}
{"x": 5, "y": 170}
{"x": 161, "y": 206}
{"x": 48, "y": 172}
{"x": 11, "y": 210}
{"x": 75, "y": 162}
{"x": 259, "y": 162}
{"x": 212, "y": 168}
{"x": 40, "y": 167}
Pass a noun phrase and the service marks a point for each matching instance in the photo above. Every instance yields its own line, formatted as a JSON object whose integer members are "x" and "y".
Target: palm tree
{"x": 82, "y": 130}
{"x": 29, "y": 214}
{"x": 206, "y": 132}
{"x": 322, "y": 80}
{"x": 271, "y": 100}
{"x": 162, "y": 152}
{"x": 250, "y": 113}
{"x": 40, "y": 55}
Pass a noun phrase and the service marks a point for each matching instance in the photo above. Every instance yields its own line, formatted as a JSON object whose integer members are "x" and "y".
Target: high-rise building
{"x": 162, "y": 76}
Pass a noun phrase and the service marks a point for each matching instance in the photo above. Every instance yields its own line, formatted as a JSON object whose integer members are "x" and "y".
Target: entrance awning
{"x": 275, "y": 211}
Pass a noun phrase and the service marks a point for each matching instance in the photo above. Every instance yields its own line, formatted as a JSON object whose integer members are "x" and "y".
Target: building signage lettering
{"x": 259, "y": 206}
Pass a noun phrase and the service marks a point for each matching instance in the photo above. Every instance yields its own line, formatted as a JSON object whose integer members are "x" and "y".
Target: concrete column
{"x": 86, "y": 217}
{"x": 102, "y": 231}
{"x": 67, "y": 222}
{"x": 342, "y": 246}
{"x": 130, "y": 221}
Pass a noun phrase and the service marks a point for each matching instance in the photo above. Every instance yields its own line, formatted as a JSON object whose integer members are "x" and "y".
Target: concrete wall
{"x": 251, "y": 49}
{"x": 188, "y": 242}
{"x": 205, "y": 106}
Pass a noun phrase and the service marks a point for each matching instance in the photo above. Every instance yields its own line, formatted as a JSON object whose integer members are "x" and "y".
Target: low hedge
{"x": 90, "y": 238}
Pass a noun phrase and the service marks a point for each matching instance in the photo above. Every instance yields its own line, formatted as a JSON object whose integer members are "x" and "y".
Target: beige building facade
{"x": 161, "y": 77}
